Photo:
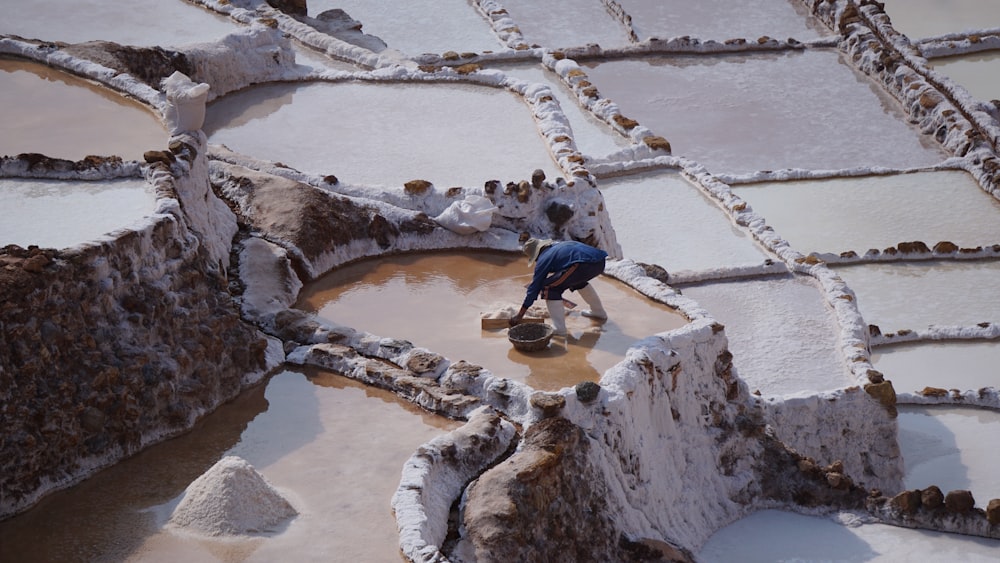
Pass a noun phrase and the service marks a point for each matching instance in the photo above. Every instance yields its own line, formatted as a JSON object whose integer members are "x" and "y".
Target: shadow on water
{"x": 290, "y": 421}
{"x": 240, "y": 108}
{"x": 331, "y": 380}
{"x": 757, "y": 538}
{"x": 109, "y": 516}
{"x": 930, "y": 449}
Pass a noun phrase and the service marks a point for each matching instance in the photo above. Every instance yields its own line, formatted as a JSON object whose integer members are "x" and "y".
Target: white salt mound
{"x": 231, "y": 498}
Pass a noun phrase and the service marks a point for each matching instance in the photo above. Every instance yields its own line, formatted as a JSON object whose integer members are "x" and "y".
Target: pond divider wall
{"x": 122, "y": 342}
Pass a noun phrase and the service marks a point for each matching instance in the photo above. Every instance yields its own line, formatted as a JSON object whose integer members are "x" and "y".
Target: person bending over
{"x": 562, "y": 266}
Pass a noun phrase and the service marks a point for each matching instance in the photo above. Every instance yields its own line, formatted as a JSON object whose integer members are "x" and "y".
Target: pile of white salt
{"x": 229, "y": 499}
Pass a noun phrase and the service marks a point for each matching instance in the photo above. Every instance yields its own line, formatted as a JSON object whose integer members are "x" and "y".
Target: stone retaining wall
{"x": 113, "y": 345}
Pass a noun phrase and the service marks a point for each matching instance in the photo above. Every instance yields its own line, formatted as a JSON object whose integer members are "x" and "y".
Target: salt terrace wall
{"x": 669, "y": 446}
{"x": 113, "y": 345}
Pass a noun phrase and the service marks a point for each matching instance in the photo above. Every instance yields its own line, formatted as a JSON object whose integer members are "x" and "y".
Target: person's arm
{"x": 516, "y": 319}
{"x": 543, "y": 267}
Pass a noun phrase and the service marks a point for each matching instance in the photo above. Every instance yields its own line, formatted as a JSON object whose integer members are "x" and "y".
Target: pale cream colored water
{"x": 418, "y": 26}
{"x": 979, "y": 73}
{"x": 591, "y": 135}
{"x": 386, "y": 134}
{"x": 915, "y": 295}
{"x": 723, "y": 19}
{"x": 768, "y": 536}
{"x": 745, "y": 113}
{"x": 929, "y": 18}
{"x": 58, "y": 214}
{"x": 951, "y": 447}
{"x": 958, "y": 365}
{"x": 877, "y": 211}
{"x": 435, "y": 300}
{"x": 144, "y": 22}
{"x": 557, "y": 23}
{"x": 62, "y": 116}
{"x": 783, "y": 336}
{"x": 663, "y": 219}
{"x": 333, "y": 447}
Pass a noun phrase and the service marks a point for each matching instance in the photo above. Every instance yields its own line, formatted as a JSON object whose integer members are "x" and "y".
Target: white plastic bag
{"x": 472, "y": 214}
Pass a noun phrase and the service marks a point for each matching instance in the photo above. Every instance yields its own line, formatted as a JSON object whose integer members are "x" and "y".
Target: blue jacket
{"x": 555, "y": 259}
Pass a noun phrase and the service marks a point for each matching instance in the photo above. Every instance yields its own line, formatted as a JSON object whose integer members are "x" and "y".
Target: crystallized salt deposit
{"x": 231, "y": 499}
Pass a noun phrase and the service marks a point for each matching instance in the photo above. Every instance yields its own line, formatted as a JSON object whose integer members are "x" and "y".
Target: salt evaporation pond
{"x": 661, "y": 218}
{"x": 59, "y": 214}
{"x": 746, "y": 113}
{"x": 145, "y": 23}
{"x": 54, "y": 525}
{"x": 916, "y": 295}
{"x": 59, "y": 115}
{"x": 877, "y": 211}
{"x": 385, "y": 133}
{"x": 722, "y": 19}
{"x": 951, "y": 447}
{"x": 301, "y": 432}
{"x": 783, "y": 335}
{"x": 592, "y": 136}
{"x": 978, "y": 73}
{"x": 755, "y": 539}
{"x": 966, "y": 366}
{"x": 418, "y": 26}
{"x": 920, "y": 19}
{"x": 558, "y": 23}
{"x": 435, "y": 300}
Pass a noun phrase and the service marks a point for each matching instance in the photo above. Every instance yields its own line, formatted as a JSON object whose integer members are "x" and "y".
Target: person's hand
{"x": 515, "y": 320}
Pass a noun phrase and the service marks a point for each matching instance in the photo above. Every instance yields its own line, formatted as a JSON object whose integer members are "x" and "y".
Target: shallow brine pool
{"x": 723, "y": 19}
{"x": 966, "y": 366}
{"x": 877, "y": 212}
{"x": 978, "y": 73}
{"x": 62, "y": 116}
{"x": 951, "y": 447}
{"x": 145, "y": 23}
{"x": 333, "y": 447}
{"x": 916, "y": 295}
{"x": 783, "y": 335}
{"x": 773, "y": 535}
{"x": 435, "y": 301}
{"x": 745, "y": 113}
{"x": 59, "y": 214}
{"x": 386, "y": 133}
{"x": 661, "y": 218}
{"x": 919, "y": 19}
{"x": 415, "y": 27}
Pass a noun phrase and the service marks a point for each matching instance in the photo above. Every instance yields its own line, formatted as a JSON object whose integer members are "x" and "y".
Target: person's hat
{"x": 533, "y": 246}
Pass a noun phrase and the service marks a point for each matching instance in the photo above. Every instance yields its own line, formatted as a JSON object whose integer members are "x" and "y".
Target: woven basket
{"x": 530, "y": 337}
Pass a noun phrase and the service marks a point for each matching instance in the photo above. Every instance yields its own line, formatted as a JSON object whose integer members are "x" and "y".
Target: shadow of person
{"x": 587, "y": 338}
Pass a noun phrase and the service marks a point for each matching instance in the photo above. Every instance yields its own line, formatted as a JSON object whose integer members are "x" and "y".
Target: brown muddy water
{"x": 300, "y": 431}
{"x": 63, "y": 116}
{"x": 434, "y": 300}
